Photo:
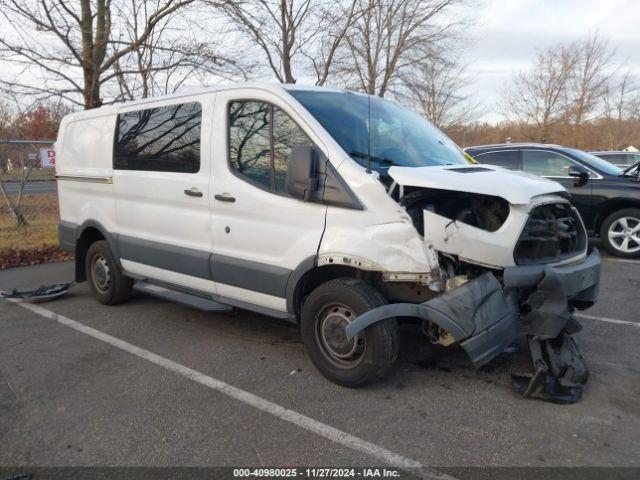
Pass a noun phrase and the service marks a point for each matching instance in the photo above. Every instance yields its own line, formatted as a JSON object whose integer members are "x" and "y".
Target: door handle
{"x": 193, "y": 192}
{"x": 225, "y": 197}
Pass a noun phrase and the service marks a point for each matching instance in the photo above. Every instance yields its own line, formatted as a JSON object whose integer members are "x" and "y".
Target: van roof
{"x": 269, "y": 86}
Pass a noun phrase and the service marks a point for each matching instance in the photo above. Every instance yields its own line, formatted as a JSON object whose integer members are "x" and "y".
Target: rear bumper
{"x": 485, "y": 316}
{"x": 67, "y": 233}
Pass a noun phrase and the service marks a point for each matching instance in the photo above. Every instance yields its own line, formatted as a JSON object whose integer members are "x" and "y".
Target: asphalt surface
{"x": 32, "y": 188}
{"x": 69, "y": 399}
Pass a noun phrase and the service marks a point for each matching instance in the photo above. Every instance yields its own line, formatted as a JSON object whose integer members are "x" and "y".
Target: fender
{"x": 110, "y": 238}
{"x": 479, "y": 315}
{"x": 305, "y": 266}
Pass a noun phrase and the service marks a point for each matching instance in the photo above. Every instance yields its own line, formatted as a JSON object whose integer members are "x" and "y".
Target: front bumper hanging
{"x": 485, "y": 316}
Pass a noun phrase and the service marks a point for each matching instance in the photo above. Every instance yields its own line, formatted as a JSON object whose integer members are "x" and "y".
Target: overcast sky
{"x": 506, "y": 34}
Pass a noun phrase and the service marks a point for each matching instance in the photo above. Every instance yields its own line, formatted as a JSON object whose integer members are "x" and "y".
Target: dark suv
{"x": 607, "y": 197}
{"x": 620, "y": 159}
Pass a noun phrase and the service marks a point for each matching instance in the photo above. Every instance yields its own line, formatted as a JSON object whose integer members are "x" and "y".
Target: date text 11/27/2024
{"x": 316, "y": 472}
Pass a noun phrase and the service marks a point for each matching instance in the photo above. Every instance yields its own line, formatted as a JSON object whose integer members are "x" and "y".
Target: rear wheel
{"x": 620, "y": 233}
{"x": 106, "y": 280}
{"x": 325, "y": 314}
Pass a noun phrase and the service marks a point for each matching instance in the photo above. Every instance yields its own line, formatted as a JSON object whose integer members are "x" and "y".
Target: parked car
{"x": 341, "y": 212}
{"x": 607, "y": 197}
{"x": 620, "y": 159}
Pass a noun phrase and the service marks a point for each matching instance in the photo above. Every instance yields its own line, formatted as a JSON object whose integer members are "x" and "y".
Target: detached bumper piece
{"x": 484, "y": 317}
{"x": 560, "y": 372}
{"x": 41, "y": 294}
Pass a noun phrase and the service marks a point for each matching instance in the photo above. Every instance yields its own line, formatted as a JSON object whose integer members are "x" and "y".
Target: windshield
{"x": 392, "y": 135}
{"x": 596, "y": 162}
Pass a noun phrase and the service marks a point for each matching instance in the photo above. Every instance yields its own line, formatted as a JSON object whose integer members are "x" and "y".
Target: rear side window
{"x": 161, "y": 139}
{"x": 261, "y": 137}
{"x": 546, "y": 164}
{"x": 607, "y": 157}
{"x": 507, "y": 159}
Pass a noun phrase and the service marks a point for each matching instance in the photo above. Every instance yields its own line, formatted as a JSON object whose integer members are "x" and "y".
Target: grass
{"x": 37, "y": 175}
{"x": 41, "y": 211}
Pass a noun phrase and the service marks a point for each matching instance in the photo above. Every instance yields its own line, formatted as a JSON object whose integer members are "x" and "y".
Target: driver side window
{"x": 545, "y": 164}
{"x": 261, "y": 137}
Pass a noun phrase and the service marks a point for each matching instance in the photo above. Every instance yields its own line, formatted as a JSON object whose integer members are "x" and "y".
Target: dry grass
{"x": 41, "y": 211}
{"x": 37, "y": 175}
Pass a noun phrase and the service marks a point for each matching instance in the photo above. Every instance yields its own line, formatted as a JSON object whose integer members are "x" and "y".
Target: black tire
{"x": 325, "y": 312}
{"x": 106, "y": 280}
{"x": 632, "y": 216}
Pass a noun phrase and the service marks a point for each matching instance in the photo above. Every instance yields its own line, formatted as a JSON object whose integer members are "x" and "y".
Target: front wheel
{"x": 620, "y": 233}
{"x": 325, "y": 314}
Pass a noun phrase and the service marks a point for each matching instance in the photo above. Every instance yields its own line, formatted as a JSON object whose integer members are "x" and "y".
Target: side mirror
{"x": 301, "y": 179}
{"x": 580, "y": 173}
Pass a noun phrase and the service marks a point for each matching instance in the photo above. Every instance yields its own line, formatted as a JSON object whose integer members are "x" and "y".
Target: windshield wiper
{"x": 366, "y": 156}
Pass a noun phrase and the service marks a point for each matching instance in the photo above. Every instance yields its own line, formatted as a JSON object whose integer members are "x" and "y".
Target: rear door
{"x": 260, "y": 233}
{"x": 161, "y": 182}
{"x": 555, "y": 166}
{"x": 502, "y": 158}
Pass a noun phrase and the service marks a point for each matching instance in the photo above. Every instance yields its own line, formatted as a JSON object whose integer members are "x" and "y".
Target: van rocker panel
{"x": 187, "y": 261}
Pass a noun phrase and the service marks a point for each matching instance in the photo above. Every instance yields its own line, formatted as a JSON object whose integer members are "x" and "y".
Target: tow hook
{"x": 559, "y": 371}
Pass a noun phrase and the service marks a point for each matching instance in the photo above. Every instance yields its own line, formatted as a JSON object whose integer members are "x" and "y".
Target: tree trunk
{"x": 91, "y": 90}
{"x": 15, "y": 211}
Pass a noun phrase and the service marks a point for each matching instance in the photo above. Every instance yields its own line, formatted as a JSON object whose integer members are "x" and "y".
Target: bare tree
{"x": 621, "y": 103}
{"x": 21, "y": 133}
{"x": 72, "y": 45}
{"x": 391, "y": 36}
{"x": 26, "y": 167}
{"x": 170, "y": 56}
{"x": 541, "y": 96}
{"x": 439, "y": 89}
{"x": 294, "y": 37}
{"x": 590, "y": 81}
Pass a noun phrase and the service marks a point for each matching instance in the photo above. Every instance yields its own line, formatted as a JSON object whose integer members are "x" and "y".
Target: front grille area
{"x": 553, "y": 232}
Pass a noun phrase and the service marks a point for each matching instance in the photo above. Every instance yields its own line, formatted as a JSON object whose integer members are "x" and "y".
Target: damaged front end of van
{"x": 512, "y": 261}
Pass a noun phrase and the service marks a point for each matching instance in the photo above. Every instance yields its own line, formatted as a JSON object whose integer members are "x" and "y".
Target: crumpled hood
{"x": 514, "y": 187}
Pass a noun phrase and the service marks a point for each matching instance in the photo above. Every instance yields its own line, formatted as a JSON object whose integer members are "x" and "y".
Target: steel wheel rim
{"x": 100, "y": 273}
{"x": 331, "y": 336}
{"x": 624, "y": 234}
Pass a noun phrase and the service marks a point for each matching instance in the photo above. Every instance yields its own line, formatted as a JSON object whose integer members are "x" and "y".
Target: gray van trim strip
{"x": 187, "y": 261}
{"x": 255, "y": 276}
{"x": 67, "y": 232}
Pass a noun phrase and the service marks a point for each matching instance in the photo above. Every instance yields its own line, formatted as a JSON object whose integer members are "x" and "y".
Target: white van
{"x": 339, "y": 211}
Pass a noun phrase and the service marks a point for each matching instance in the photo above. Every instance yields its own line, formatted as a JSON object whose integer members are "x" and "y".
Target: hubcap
{"x": 100, "y": 273}
{"x": 332, "y": 336}
{"x": 624, "y": 234}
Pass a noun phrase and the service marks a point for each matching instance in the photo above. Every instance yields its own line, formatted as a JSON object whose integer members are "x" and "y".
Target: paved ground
{"x": 32, "y": 188}
{"x": 68, "y": 398}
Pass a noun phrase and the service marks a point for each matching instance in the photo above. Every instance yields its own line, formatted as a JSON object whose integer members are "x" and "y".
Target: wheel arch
{"x": 611, "y": 207}
{"x": 309, "y": 275}
{"x": 88, "y": 233}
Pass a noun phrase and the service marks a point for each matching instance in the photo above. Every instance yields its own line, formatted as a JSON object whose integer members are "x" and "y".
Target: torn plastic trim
{"x": 484, "y": 317}
{"x": 479, "y": 314}
{"x": 559, "y": 371}
{"x": 417, "y": 310}
{"x": 41, "y": 294}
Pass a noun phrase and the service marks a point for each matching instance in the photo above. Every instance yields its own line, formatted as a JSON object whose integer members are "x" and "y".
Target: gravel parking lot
{"x": 158, "y": 384}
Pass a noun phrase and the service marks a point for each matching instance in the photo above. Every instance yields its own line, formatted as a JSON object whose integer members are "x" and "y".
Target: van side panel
{"x": 84, "y": 171}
